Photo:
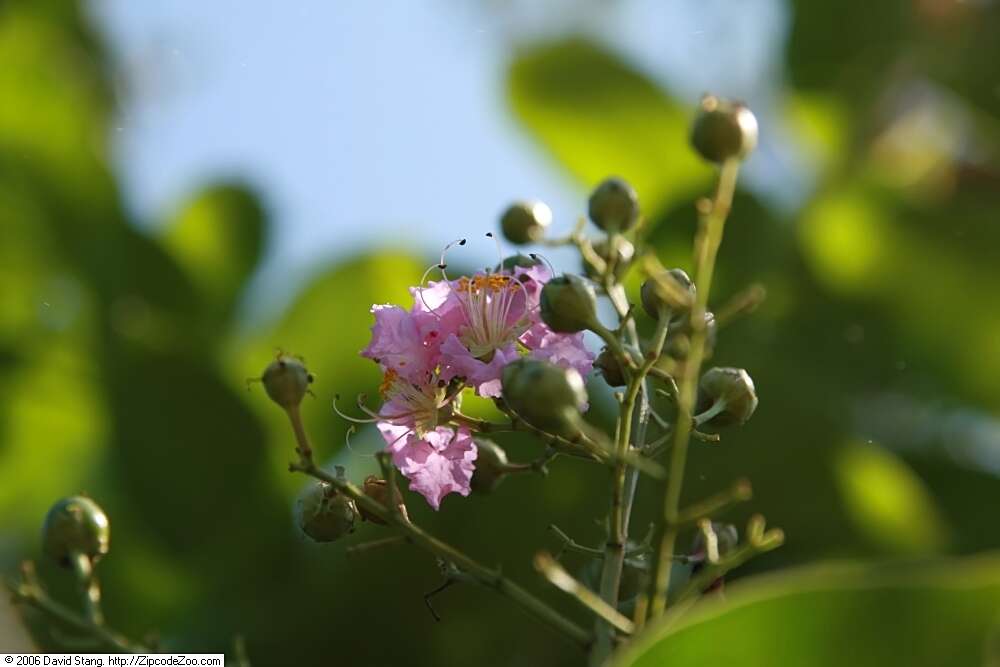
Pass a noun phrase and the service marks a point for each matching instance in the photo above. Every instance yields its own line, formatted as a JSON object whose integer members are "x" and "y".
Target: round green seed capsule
{"x": 75, "y": 525}
{"x": 568, "y": 304}
{"x": 723, "y": 130}
{"x": 325, "y": 515}
{"x": 726, "y": 396}
{"x": 622, "y": 258}
{"x": 491, "y": 466}
{"x": 654, "y": 297}
{"x": 614, "y": 205}
{"x": 544, "y": 395}
{"x": 286, "y": 381}
{"x": 525, "y": 222}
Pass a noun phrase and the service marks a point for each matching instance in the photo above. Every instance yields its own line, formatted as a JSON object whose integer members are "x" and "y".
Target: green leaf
{"x": 914, "y": 615}
{"x": 598, "y": 116}
{"x": 218, "y": 237}
{"x": 887, "y": 501}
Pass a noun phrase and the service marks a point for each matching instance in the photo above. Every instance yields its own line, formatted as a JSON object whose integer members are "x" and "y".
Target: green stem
{"x": 710, "y": 232}
{"x": 482, "y": 574}
{"x": 91, "y": 590}
{"x": 34, "y": 596}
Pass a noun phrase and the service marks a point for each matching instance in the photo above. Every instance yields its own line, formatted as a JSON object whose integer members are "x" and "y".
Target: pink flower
{"x": 404, "y": 341}
{"x": 439, "y": 463}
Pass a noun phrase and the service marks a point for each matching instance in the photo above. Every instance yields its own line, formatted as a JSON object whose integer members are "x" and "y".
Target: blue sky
{"x": 367, "y": 123}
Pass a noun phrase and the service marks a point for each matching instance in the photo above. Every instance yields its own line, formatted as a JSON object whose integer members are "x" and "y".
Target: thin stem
{"x": 482, "y": 574}
{"x": 710, "y": 230}
{"x": 562, "y": 580}
{"x": 623, "y": 486}
{"x": 83, "y": 568}
{"x": 571, "y": 544}
{"x": 30, "y": 592}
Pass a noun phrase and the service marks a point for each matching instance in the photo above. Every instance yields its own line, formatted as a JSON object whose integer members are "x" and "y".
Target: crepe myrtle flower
{"x": 456, "y": 333}
{"x": 489, "y": 319}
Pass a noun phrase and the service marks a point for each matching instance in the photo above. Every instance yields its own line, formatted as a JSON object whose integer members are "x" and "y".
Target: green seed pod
{"x": 377, "y": 489}
{"x": 678, "y": 341}
{"x": 614, "y": 205}
{"x": 324, "y": 514}
{"x": 568, "y": 304}
{"x": 652, "y": 297}
{"x": 544, "y": 395}
{"x": 525, "y": 222}
{"x": 611, "y": 370}
{"x": 518, "y": 260}
{"x": 75, "y": 525}
{"x": 625, "y": 253}
{"x": 491, "y": 466}
{"x": 286, "y": 380}
{"x": 727, "y": 396}
{"x": 723, "y": 130}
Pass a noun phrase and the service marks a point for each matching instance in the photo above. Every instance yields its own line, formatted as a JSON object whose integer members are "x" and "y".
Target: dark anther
{"x": 462, "y": 242}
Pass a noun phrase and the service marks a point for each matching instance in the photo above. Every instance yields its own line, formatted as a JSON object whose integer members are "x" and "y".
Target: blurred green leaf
{"x": 598, "y": 116}
{"x": 887, "y": 501}
{"x": 919, "y": 616}
{"x": 218, "y": 237}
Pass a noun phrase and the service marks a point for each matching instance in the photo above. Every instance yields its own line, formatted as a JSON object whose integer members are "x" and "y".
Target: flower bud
{"x": 611, "y": 370}
{"x": 678, "y": 342}
{"x": 518, "y": 260}
{"x": 324, "y": 514}
{"x": 491, "y": 466}
{"x": 75, "y": 525}
{"x": 568, "y": 304}
{"x": 613, "y": 205}
{"x": 622, "y": 258}
{"x": 543, "y": 394}
{"x": 655, "y": 296}
{"x": 377, "y": 489}
{"x": 723, "y": 130}
{"x": 525, "y": 222}
{"x": 286, "y": 380}
{"x": 726, "y": 396}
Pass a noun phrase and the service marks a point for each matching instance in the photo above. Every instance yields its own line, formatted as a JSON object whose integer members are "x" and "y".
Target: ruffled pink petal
{"x": 457, "y": 361}
{"x": 397, "y": 343}
{"x": 565, "y": 350}
{"x": 440, "y": 463}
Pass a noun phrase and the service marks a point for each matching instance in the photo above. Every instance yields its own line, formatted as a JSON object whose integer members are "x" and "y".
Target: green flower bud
{"x": 625, "y": 253}
{"x": 613, "y": 205}
{"x": 723, "y": 130}
{"x": 568, "y": 304}
{"x": 726, "y": 396}
{"x": 518, "y": 260}
{"x": 678, "y": 342}
{"x": 544, "y": 395}
{"x": 491, "y": 466}
{"x": 611, "y": 370}
{"x": 324, "y": 514}
{"x": 286, "y": 381}
{"x": 654, "y": 296}
{"x": 75, "y": 525}
{"x": 525, "y": 222}
{"x": 377, "y": 489}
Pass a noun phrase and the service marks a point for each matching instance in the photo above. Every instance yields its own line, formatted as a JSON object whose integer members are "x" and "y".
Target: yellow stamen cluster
{"x": 493, "y": 282}
{"x": 387, "y": 381}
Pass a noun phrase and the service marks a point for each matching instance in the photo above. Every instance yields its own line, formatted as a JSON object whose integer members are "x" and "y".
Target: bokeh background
{"x": 187, "y": 186}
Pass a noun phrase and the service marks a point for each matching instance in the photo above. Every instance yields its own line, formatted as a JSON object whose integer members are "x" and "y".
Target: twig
{"x": 562, "y": 580}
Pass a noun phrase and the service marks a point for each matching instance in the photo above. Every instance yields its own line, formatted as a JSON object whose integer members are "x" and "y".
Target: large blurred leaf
{"x": 887, "y": 501}
{"x": 598, "y": 116}
{"x": 919, "y": 616}
{"x": 218, "y": 237}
